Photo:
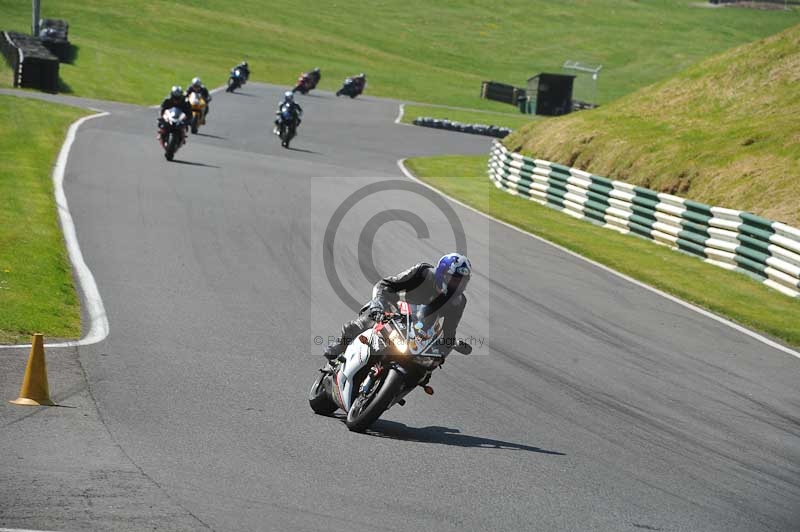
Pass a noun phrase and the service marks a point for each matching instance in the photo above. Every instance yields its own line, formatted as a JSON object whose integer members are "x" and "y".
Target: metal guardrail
{"x": 736, "y": 240}
{"x": 475, "y": 129}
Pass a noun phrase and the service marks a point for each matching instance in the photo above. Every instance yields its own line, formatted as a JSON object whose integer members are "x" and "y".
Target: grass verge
{"x": 434, "y": 52}
{"x": 36, "y": 289}
{"x": 467, "y": 116}
{"x": 729, "y": 294}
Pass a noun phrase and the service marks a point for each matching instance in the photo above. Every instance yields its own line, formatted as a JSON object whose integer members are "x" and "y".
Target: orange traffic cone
{"x": 35, "y": 390}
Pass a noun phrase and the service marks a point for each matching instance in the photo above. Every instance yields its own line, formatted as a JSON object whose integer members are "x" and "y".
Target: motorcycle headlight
{"x": 398, "y": 341}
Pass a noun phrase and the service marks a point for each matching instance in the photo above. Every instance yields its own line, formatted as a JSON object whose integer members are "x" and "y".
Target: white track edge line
{"x": 724, "y": 321}
{"x": 98, "y": 320}
{"x": 400, "y": 114}
{"x": 20, "y": 530}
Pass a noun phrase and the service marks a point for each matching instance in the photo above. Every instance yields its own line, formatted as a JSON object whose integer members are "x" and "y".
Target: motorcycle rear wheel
{"x": 367, "y": 409}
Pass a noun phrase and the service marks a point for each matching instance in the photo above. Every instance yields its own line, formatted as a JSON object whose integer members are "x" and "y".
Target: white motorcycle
{"x": 171, "y": 131}
{"x": 382, "y": 365}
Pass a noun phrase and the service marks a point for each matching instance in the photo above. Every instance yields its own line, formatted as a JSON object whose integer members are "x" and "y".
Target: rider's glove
{"x": 375, "y": 311}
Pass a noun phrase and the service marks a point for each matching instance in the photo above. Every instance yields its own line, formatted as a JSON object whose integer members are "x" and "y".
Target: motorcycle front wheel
{"x": 368, "y": 408}
{"x": 171, "y": 146}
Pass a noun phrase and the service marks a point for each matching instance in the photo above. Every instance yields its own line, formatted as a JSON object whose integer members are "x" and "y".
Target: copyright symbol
{"x": 318, "y": 340}
{"x": 370, "y": 230}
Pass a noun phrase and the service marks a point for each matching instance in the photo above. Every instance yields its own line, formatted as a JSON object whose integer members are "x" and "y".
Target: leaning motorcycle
{"x": 198, "y": 104}
{"x": 171, "y": 131}
{"x": 305, "y": 83}
{"x": 351, "y": 88}
{"x": 382, "y": 366}
{"x": 236, "y": 80}
{"x": 287, "y": 124}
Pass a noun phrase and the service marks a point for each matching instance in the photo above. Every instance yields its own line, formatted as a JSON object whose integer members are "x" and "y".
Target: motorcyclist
{"x": 441, "y": 287}
{"x": 244, "y": 68}
{"x": 315, "y": 75}
{"x": 294, "y": 108}
{"x": 360, "y": 82}
{"x": 198, "y": 87}
{"x": 177, "y": 99}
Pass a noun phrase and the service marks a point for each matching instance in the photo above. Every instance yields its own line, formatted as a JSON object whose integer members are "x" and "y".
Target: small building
{"x": 549, "y": 94}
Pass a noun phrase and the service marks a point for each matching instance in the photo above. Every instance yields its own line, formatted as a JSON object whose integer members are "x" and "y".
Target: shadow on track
{"x": 243, "y": 94}
{"x": 194, "y": 164}
{"x": 446, "y": 436}
{"x": 302, "y": 150}
{"x": 211, "y": 136}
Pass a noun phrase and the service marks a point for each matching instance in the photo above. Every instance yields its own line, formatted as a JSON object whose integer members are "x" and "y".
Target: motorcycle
{"x": 382, "y": 366}
{"x": 305, "y": 83}
{"x": 236, "y": 80}
{"x": 287, "y": 124}
{"x": 198, "y": 111}
{"x": 351, "y": 87}
{"x": 171, "y": 131}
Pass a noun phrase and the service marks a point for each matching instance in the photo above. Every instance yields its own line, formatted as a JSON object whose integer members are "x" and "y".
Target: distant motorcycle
{"x": 288, "y": 121}
{"x": 236, "y": 80}
{"x": 383, "y": 365}
{"x": 306, "y": 82}
{"x": 352, "y": 87}
{"x": 198, "y": 104}
{"x": 171, "y": 131}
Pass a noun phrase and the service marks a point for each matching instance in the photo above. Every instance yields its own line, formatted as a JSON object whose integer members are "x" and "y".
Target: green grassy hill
{"x": 724, "y": 132}
{"x": 437, "y": 52}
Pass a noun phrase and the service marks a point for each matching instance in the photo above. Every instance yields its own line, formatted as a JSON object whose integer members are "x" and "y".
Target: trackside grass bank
{"x": 435, "y": 52}
{"x": 725, "y": 293}
{"x": 36, "y": 289}
{"x": 724, "y": 132}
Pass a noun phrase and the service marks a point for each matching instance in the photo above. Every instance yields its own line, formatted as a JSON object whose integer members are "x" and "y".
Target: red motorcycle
{"x": 307, "y": 81}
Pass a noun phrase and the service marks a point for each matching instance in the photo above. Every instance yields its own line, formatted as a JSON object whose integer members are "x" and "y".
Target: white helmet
{"x": 288, "y": 95}
{"x": 176, "y": 91}
{"x": 196, "y": 82}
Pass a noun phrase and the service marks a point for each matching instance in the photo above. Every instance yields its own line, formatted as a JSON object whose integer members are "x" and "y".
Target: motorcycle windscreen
{"x": 173, "y": 115}
{"x": 422, "y": 330}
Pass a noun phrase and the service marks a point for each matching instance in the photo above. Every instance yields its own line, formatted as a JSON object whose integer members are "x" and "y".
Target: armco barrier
{"x": 13, "y": 56}
{"x": 34, "y": 65}
{"x": 475, "y": 129}
{"x": 728, "y": 238}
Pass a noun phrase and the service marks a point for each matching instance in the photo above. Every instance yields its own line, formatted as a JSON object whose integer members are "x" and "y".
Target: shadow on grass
{"x": 72, "y": 54}
{"x": 63, "y": 86}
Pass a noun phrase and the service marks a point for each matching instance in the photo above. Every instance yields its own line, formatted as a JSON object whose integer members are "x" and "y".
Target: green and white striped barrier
{"x": 728, "y": 238}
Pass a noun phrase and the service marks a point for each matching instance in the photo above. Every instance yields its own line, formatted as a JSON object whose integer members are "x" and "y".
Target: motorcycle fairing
{"x": 356, "y": 356}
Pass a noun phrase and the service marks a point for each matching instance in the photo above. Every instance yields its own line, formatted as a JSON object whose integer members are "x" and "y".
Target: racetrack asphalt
{"x": 592, "y": 403}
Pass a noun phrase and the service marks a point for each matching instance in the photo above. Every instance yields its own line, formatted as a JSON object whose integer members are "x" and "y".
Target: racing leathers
{"x": 416, "y": 286}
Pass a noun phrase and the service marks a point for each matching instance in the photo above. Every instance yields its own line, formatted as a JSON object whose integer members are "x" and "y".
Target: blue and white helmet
{"x": 452, "y": 273}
